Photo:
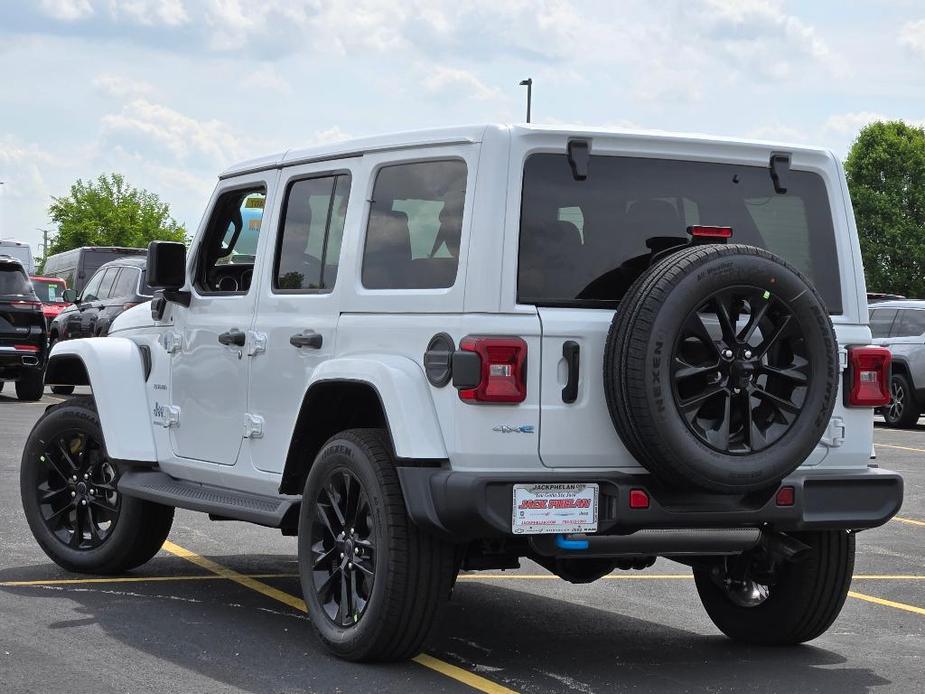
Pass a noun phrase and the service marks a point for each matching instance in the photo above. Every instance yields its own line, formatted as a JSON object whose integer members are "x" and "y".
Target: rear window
{"x": 582, "y": 243}
{"x": 13, "y": 281}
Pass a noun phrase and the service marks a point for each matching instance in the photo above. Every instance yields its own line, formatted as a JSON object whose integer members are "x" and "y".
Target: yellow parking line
{"x": 888, "y": 603}
{"x": 662, "y": 577}
{"x": 910, "y": 521}
{"x": 471, "y": 679}
{"x": 899, "y": 448}
{"x": 232, "y": 575}
{"x": 129, "y": 579}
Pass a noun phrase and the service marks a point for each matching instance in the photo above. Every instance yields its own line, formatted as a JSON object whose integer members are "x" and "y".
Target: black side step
{"x": 153, "y": 485}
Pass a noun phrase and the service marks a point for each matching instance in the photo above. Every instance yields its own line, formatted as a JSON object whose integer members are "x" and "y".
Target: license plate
{"x": 554, "y": 508}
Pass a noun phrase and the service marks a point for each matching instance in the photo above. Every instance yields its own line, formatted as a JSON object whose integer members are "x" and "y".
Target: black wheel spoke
{"x": 72, "y": 466}
{"x": 48, "y": 495}
{"x": 737, "y": 397}
{"x": 54, "y": 520}
{"x": 342, "y": 548}
{"x": 103, "y": 503}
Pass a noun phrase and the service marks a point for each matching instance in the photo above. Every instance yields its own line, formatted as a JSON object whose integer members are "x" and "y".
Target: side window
{"x": 308, "y": 247}
{"x": 91, "y": 291}
{"x": 126, "y": 283}
{"x": 226, "y": 256}
{"x": 109, "y": 279}
{"x": 880, "y": 321}
{"x": 415, "y": 224}
{"x": 911, "y": 323}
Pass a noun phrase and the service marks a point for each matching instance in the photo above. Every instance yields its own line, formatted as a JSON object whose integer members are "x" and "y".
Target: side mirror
{"x": 69, "y": 295}
{"x": 166, "y": 265}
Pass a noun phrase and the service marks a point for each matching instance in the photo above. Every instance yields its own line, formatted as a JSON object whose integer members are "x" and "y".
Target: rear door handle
{"x": 233, "y": 337}
{"x": 308, "y": 338}
{"x": 571, "y": 352}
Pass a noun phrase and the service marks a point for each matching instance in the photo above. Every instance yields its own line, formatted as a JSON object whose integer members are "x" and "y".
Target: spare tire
{"x": 721, "y": 368}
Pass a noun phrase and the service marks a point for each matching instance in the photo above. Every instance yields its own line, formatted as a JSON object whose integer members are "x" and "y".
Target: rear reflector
{"x": 26, "y": 348}
{"x": 710, "y": 232}
{"x": 503, "y": 372}
{"x": 639, "y": 498}
{"x": 785, "y": 496}
{"x": 868, "y": 376}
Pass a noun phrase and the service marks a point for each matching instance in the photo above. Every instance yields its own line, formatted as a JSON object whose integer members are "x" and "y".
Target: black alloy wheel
{"x": 343, "y": 548}
{"x": 742, "y": 385}
{"x": 76, "y": 490}
{"x": 904, "y": 410}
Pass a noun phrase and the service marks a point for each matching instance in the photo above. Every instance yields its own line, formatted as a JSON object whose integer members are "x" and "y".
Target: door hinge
{"x": 834, "y": 435}
{"x": 253, "y": 426}
{"x": 256, "y": 343}
{"x": 842, "y": 359}
{"x": 166, "y": 415}
{"x": 172, "y": 341}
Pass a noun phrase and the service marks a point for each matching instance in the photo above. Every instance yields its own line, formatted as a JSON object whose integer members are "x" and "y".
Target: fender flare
{"x": 114, "y": 368}
{"x": 405, "y": 396}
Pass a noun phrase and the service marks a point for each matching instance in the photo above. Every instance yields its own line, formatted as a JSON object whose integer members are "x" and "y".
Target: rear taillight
{"x": 868, "y": 376}
{"x": 710, "y": 232}
{"x": 25, "y": 348}
{"x": 502, "y": 373}
{"x": 27, "y": 304}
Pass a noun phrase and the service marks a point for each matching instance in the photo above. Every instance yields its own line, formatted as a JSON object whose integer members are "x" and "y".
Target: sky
{"x": 170, "y": 92}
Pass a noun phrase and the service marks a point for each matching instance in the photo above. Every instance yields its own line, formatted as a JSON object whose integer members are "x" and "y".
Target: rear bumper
{"x": 466, "y": 506}
{"x": 12, "y": 359}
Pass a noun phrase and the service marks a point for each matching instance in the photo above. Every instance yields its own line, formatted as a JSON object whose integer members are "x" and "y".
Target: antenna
{"x": 528, "y": 83}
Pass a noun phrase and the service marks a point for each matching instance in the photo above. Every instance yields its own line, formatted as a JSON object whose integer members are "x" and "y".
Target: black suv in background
{"x": 115, "y": 287}
{"x": 23, "y": 336}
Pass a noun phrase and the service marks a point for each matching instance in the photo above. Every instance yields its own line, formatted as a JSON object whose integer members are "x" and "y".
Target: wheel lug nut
{"x": 356, "y": 550}
{"x": 748, "y": 354}
{"x": 727, "y": 353}
{"x": 350, "y": 565}
{"x": 73, "y": 494}
{"x": 86, "y": 476}
{"x": 74, "y": 478}
{"x": 83, "y": 502}
{"x": 341, "y": 555}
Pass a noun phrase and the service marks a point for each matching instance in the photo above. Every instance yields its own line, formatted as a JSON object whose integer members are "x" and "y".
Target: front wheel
{"x": 903, "y": 411}
{"x": 373, "y": 582}
{"x": 71, "y": 498}
{"x": 796, "y": 604}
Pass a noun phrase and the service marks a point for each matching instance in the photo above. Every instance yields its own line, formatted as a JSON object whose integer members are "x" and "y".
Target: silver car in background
{"x": 900, "y": 325}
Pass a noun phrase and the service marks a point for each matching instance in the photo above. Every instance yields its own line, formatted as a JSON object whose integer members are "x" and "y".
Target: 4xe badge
{"x": 515, "y": 429}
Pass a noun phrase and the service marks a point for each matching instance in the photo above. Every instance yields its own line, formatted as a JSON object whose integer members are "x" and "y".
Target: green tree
{"x": 886, "y": 177}
{"x": 110, "y": 212}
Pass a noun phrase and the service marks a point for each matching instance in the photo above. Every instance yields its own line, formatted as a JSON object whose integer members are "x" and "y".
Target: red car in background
{"x": 49, "y": 291}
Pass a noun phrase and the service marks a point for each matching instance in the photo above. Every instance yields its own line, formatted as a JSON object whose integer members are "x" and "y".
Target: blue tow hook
{"x": 563, "y": 542}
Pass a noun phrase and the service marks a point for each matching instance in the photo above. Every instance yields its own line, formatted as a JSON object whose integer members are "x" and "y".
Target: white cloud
{"x": 119, "y": 86}
{"x": 267, "y": 78}
{"x": 912, "y": 36}
{"x": 851, "y": 123}
{"x": 169, "y": 13}
{"x": 440, "y": 78}
{"x": 142, "y": 124}
{"x": 66, "y": 10}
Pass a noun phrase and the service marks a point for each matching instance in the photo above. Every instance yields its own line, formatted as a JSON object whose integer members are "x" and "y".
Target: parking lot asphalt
{"x": 219, "y": 610}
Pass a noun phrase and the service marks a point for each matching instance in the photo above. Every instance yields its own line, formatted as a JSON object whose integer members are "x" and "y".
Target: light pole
{"x": 528, "y": 83}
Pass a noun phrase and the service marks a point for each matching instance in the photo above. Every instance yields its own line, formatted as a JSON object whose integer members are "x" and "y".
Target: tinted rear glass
{"x": 584, "y": 242}
{"x": 880, "y": 321}
{"x": 13, "y": 281}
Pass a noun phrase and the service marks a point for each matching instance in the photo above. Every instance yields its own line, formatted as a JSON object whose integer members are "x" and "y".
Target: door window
{"x": 225, "y": 263}
{"x": 109, "y": 279}
{"x": 880, "y": 321}
{"x": 126, "y": 284}
{"x": 415, "y": 225}
{"x": 91, "y": 291}
{"x": 308, "y": 247}
{"x": 911, "y": 323}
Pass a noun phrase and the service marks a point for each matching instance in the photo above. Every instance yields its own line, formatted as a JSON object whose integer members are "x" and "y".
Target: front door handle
{"x": 308, "y": 338}
{"x": 233, "y": 337}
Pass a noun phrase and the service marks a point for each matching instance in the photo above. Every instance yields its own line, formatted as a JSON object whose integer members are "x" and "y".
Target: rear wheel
{"x": 31, "y": 386}
{"x": 903, "y": 411}
{"x": 797, "y": 603}
{"x": 373, "y": 582}
{"x": 70, "y": 496}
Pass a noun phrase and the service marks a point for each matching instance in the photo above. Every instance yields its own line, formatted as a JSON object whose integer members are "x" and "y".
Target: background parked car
{"x": 900, "y": 325}
{"x": 50, "y": 291}
{"x": 21, "y": 251}
{"x": 23, "y": 339}
{"x": 115, "y": 287}
{"x": 77, "y": 265}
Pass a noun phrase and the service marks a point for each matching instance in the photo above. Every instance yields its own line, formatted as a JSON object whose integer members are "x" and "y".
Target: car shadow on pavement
{"x": 225, "y": 632}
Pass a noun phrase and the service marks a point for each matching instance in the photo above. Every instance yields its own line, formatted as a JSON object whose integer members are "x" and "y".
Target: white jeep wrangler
{"x": 451, "y": 349}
